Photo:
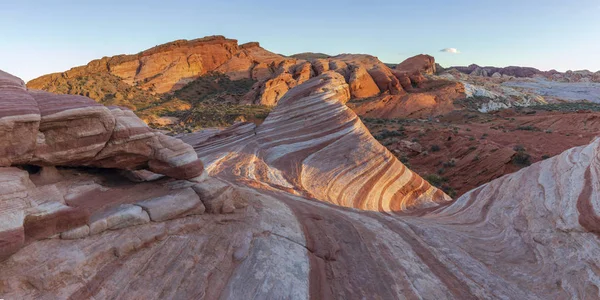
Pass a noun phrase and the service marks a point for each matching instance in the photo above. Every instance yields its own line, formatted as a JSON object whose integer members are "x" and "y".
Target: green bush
{"x": 435, "y": 180}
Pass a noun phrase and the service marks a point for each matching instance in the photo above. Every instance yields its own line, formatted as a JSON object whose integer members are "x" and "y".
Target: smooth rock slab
{"x": 11, "y": 240}
{"x": 180, "y": 203}
{"x": 76, "y": 233}
{"x": 52, "y": 218}
{"x": 219, "y": 197}
{"x": 122, "y": 216}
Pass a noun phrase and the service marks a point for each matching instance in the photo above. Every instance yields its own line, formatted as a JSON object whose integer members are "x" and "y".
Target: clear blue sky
{"x": 40, "y": 37}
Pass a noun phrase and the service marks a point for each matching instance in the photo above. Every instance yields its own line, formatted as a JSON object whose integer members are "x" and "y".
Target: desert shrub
{"x": 528, "y": 128}
{"x": 521, "y": 159}
{"x": 449, "y": 164}
{"x": 449, "y": 191}
{"x": 384, "y": 134}
{"x": 435, "y": 179}
{"x": 403, "y": 159}
{"x": 206, "y": 114}
{"x": 435, "y": 148}
{"x": 519, "y": 148}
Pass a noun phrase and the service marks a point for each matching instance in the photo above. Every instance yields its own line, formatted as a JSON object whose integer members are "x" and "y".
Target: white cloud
{"x": 450, "y": 50}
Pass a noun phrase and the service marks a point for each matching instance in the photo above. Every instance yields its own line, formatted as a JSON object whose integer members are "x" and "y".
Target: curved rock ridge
{"x": 312, "y": 144}
{"x": 528, "y": 235}
{"x": 45, "y": 129}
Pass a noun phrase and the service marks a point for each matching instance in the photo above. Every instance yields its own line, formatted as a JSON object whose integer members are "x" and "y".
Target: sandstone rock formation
{"x": 45, "y": 129}
{"x": 169, "y": 67}
{"x": 366, "y": 75}
{"x": 422, "y": 63}
{"x": 528, "y": 235}
{"x": 427, "y": 98}
{"x": 312, "y": 144}
{"x": 160, "y": 69}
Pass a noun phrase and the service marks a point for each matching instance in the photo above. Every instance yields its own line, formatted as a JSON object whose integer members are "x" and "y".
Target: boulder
{"x": 184, "y": 202}
{"x": 76, "y": 233}
{"x": 362, "y": 84}
{"x": 219, "y": 197}
{"x": 422, "y": 63}
{"x": 122, "y": 216}
{"x": 13, "y": 202}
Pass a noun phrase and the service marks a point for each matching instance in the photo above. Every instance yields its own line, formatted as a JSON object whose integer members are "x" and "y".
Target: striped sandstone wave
{"x": 313, "y": 145}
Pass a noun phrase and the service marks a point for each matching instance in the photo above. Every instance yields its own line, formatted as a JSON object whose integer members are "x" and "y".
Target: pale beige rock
{"x": 14, "y": 184}
{"x": 76, "y": 233}
{"x": 219, "y": 197}
{"x": 122, "y": 216}
{"x": 71, "y": 130}
{"x": 180, "y": 203}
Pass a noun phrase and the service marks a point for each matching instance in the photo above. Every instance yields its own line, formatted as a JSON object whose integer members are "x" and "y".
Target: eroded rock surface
{"x": 41, "y": 128}
{"x": 312, "y": 144}
{"x": 285, "y": 233}
{"x": 529, "y": 235}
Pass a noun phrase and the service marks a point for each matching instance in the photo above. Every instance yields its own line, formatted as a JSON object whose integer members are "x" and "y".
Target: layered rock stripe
{"x": 44, "y": 129}
{"x": 41, "y": 128}
{"x": 528, "y": 235}
{"x": 313, "y": 145}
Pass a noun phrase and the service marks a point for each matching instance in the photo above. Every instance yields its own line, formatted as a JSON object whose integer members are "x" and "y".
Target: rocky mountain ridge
{"x": 528, "y": 72}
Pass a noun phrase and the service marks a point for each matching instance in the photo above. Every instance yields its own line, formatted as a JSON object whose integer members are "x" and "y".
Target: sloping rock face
{"x": 312, "y": 144}
{"x": 141, "y": 80}
{"x": 169, "y": 67}
{"x": 426, "y": 99}
{"x": 45, "y": 129}
{"x": 528, "y": 235}
{"x": 160, "y": 69}
{"x": 422, "y": 63}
